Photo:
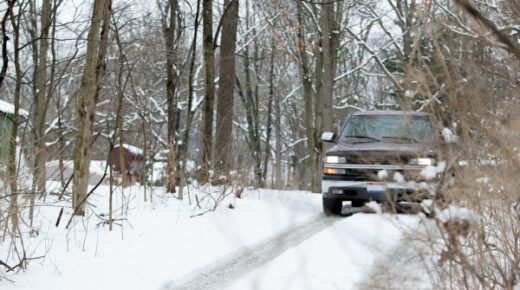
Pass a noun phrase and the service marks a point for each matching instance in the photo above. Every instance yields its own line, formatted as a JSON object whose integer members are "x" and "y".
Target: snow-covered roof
{"x": 134, "y": 150}
{"x": 8, "y": 108}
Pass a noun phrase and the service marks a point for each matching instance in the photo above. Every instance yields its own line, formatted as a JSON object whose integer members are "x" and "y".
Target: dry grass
{"x": 481, "y": 94}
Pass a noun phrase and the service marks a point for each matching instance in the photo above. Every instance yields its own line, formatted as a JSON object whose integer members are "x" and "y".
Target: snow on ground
{"x": 97, "y": 170}
{"x": 401, "y": 267}
{"x": 159, "y": 242}
{"x": 337, "y": 258}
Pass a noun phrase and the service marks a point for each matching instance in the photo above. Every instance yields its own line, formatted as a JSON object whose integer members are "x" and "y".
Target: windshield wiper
{"x": 401, "y": 138}
{"x": 363, "y": 137}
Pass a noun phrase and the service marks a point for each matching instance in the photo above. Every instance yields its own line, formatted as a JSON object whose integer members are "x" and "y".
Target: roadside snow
{"x": 449, "y": 136}
{"x": 376, "y": 207}
{"x": 458, "y": 215}
{"x": 382, "y": 174}
{"x": 430, "y": 172}
{"x": 398, "y": 177}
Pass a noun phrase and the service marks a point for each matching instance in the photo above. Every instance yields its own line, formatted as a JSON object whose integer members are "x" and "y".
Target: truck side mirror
{"x": 329, "y": 137}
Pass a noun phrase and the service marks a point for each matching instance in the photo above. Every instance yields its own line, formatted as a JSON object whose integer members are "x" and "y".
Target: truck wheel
{"x": 332, "y": 206}
{"x": 357, "y": 203}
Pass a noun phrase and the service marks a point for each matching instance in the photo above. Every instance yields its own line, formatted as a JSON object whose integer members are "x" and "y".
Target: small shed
{"x": 6, "y": 124}
{"x": 133, "y": 159}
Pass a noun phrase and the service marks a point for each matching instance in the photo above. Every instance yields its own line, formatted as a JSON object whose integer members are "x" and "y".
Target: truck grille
{"x": 354, "y": 175}
{"x": 385, "y": 160}
{"x": 360, "y": 175}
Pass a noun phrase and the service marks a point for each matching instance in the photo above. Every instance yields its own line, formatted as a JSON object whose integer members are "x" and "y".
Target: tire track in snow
{"x": 224, "y": 273}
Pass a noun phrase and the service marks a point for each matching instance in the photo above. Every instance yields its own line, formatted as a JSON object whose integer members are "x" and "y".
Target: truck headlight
{"x": 334, "y": 171}
{"x": 335, "y": 159}
{"x": 422, "y": 161}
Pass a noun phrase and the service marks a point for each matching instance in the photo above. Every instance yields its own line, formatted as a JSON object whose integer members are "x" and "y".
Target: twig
{"x": 197, "y": 200}
{"x": 502, "y": 37}
{"x": 65, "y": 187}
{"x": 87, "y": 196}
{"x": 59, "y": 217}
{"x": 202, "y": 213}
{"x": 9, "y": 268}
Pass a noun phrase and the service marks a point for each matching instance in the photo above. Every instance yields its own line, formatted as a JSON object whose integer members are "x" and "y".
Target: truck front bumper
{"x": 385, "y": 191}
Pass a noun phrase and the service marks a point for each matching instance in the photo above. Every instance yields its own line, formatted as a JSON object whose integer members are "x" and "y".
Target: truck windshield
{"x": 381, "y": 128}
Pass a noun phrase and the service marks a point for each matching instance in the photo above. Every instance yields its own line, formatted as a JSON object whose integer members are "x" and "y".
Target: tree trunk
{"x": 87, "y": 98}
{"x": 169, "y": 30}
{"x": 226, "y": 89}
{"x": 269, "y": 126}
{"x": 407, "y": 30}
{"x": 12, "y": 170}
{"x": 406, "y": 23}
{"x": 61, "y": 146}
{"x": 125, "y": 179}
{"x": 310, "y": 125}
{"x": 251, "y": 137}
{"x": 147, "y": 158}
{"x": 32, "y": 30}
{"x": 110, "y": 198}
{"x": 251, "y": 106}
{"x": 318, "y": 119}
{"x": 329, "y": 54}
{"x": 267, "y": 149}
{"x": 41, "y": 101}
{"x": 51, "y": 88}
{"x": 5, "y": 39}
{"x": 278, "y": 121}
{"x": 189, "y": 113}
{"x": 209, "y": 97}
{"x": 331, "y": 17}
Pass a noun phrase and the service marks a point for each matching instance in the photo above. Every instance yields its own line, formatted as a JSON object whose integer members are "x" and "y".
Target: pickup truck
{"x": 382, "y": 156}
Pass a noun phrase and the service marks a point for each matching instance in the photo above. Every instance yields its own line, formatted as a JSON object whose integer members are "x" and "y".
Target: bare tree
{"x": 311, "y": 117}
{"x": 41, "y": 105}
{"x": 87, "y": 95}
{"x": 169, "y": 25}
{"x": 223, "y": 145}
{"x": 330, "y": 19}
{"x": 12, "y": 165}
{"x": 277, "y": 119}
{"x": 189, "y": 112}
{"x": 248, "y": 93}
{"x": 5, "y": 39}
{"x": 209, "y": 96}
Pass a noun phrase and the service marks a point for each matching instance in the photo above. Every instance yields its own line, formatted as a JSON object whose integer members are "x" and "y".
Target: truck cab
{"x": 383, "y": 156}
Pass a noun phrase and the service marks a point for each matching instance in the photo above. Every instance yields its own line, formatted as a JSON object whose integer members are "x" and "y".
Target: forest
{"x": 235, "y": 94}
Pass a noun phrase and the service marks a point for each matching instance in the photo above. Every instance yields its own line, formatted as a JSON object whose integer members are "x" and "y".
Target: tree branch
{"x": 502, "y": 37}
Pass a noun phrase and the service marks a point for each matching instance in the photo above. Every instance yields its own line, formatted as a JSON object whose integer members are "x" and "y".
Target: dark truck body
{"x": 361, "y": 168}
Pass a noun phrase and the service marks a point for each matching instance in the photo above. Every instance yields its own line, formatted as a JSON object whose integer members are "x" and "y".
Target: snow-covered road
{"x": 244, "y": 261}
{"x": 269, "y": 240}
{"x": 339, "y": 257}
{"x": 323, "y": 253}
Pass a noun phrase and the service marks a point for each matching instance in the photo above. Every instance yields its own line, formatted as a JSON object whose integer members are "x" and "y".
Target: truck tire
{"x": 332, "y": 206}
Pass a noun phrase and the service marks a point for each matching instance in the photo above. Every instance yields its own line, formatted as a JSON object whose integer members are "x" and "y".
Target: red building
{"x": 133, "y": 159}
